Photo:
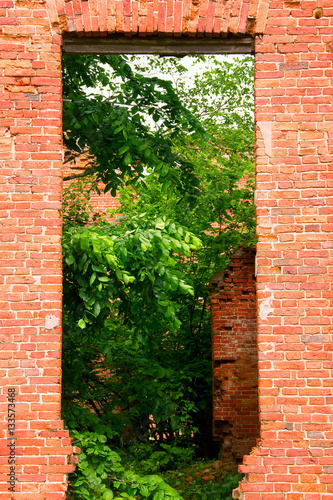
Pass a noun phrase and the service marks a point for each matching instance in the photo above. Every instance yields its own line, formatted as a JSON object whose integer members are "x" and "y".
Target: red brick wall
{"x": 99, "y": 202}
{"x": 235, "y": 356}
{"x": 294, "y": 254}
{"x": 294, "y": 206}
{"x": 103, "y": 202}
{"x": 172, "y": 18}
{"x": 30, "y": 231}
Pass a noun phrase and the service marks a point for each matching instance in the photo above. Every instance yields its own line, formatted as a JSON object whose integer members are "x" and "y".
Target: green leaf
{"x": 111, "y": 260}
{"x": 144, "y": 491}
{"x": 104, "y": 279}
{"x": 159, "y": 224}
{"x": 150, "y": 276}
{"x": 108, "y": 495}
{"x": 128, "y": 159}
{"x": 128, "y": 279}
{"x": 81, "y": 323}
{"x": 159, "y": 495}
{"x": 123, "y": 149}
{"x": 84, "y": 242}
{"x": 70, "y": 260}
{"x": 97, "y": 309}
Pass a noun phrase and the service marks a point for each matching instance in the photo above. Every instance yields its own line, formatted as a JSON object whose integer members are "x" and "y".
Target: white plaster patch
{"x": 266, "y": 132}
{"x": 51, "y": 322}
{"x": 266, "y": 307}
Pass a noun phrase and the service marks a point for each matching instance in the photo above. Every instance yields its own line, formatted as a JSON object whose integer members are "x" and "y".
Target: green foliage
{"x": 113, "y": 132}
{"x": 204, "y": 480}
{"x": 133, "y": 258}
{"x": 76, "y": 209}
{"x": 223, "y": 216}
{"x": 103, "y": 473}
{"x": 137, "y": 337}
{"x": 119, "y": 281}
{"x": 100, "y": 475}
{"x": 152, "y": 457}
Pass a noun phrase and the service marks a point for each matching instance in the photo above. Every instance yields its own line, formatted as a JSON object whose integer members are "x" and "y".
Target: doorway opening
{"x": 139, "y": 381}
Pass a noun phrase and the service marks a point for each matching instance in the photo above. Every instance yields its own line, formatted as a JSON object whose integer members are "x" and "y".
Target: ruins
{"x": 292, "y": 41}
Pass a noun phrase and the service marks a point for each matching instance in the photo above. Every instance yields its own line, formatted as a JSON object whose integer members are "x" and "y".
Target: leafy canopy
{"x": 113, "y": 131}
{"x": 137, "y": 338}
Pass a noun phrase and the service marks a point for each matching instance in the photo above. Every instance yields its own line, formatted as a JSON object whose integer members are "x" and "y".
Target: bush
{"x": 152, "y": 457}
{"x": 100, "y": 475}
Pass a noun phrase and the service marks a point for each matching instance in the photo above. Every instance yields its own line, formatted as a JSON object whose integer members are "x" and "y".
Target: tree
{"x": 113, "y": 132}
{"x": 223, "y": 216}
{"x": 136, "y": 315}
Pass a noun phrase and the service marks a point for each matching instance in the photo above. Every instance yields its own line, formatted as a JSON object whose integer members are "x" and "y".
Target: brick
{"x": 294, "y": 60}
{"x": 235, "y": 356}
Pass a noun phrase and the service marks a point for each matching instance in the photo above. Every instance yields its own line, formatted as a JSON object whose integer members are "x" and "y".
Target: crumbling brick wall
{"x": 235, "y": 356}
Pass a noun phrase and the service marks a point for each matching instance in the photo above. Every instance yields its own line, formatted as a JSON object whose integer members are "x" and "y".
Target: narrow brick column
{"x": 31, "y": 431}
{"x": 294, "y": 460}
{"x": 235, "y": 356}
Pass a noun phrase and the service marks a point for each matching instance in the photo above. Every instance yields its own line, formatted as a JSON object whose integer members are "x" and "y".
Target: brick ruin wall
{"x": 100, "y": 202}
{"x": 31, "y": 274}
{"x": 235, "y": 356}
{"x": 294, "y": 152}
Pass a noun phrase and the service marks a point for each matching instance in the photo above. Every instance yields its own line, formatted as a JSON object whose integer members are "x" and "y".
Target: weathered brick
{"x": 294, "y": 156}
{"x": 235, "y": 355}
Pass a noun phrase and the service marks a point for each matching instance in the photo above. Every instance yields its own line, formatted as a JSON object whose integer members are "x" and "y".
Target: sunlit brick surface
{"x": 30, "y": 231}
{"x": 172, "y": 17}
{"x": 294, "y": 199}
{"x": 294, "y": 255}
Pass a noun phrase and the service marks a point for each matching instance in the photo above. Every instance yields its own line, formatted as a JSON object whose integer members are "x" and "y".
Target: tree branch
{"x": 77, "y": 176}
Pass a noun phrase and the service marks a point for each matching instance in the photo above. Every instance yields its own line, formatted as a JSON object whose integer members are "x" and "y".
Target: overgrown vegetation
{"x": 137, "y": 341}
